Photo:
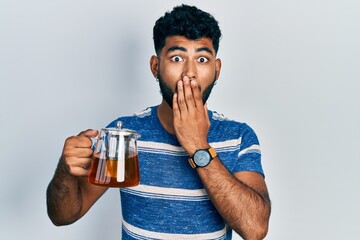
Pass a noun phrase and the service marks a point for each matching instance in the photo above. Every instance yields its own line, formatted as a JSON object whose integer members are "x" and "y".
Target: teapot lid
{"x": 122, "y": 131}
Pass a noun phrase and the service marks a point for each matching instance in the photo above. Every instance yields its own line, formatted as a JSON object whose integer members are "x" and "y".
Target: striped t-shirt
{"x": 170, "y": 202}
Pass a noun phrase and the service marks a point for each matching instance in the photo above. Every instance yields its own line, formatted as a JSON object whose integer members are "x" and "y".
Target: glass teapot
{"x": 115, "y": 159}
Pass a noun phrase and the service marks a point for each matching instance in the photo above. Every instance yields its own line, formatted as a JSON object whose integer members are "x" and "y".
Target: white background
{"x": 290, "y": 70}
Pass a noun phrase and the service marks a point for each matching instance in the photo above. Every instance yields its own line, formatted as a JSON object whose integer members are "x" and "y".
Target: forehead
{"x": 189, "y": 44}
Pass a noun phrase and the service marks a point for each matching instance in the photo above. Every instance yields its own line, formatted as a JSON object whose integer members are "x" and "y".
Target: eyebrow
{"x": 176, "y": 48}
{"x": 206, "y": 49}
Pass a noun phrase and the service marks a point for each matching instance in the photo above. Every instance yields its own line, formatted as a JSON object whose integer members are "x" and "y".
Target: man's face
{"x": 183, "y": 57}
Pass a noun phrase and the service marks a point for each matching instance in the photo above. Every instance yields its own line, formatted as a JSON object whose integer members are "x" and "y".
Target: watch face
{"x": 202, "y": 158}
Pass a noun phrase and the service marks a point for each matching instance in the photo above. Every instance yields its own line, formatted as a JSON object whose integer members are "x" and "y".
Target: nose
{"x": 190, "y": 70}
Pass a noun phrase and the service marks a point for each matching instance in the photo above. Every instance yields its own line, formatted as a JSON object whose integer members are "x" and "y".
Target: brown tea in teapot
{"x": 104, "y": 172}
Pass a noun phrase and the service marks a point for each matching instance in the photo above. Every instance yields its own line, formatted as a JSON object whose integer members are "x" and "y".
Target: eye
{"x": 203, "y": 59}
{"x": 176, "y": 59}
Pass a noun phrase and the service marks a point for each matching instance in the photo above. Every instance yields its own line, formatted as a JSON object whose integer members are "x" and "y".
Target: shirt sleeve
{"x": 249, "y": 154}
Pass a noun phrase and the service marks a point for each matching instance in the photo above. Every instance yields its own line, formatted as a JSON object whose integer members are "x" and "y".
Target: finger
{"x": 84, "y": 152}
{"x": 188, "y": 93}
{"x": 84, "y": 163}
{"x": 80, "y": 152}
{"x": 207, "y": 114}
{"x": 80, "y": 171}
{"x": 176, "y": 110}
{"x": 86, "y": 136}
{"x": 77, "y": 142}
{"x": 90, "y": 133}
{"x": 76, "y": 164}
{"x": 197, "y": 95}
{"x": 181, "y": 97}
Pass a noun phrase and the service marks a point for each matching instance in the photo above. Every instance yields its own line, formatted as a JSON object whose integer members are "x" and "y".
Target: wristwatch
{"x": 202, "y": 157}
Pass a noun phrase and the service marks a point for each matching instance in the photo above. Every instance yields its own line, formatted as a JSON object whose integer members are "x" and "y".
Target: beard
{"x": 168, "y": 94}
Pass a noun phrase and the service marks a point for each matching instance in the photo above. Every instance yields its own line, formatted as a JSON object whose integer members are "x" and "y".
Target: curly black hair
{"x": 187, "y": 21}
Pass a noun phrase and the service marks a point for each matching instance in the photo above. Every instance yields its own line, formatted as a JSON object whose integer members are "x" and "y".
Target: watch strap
{"x": 210, "y": 150}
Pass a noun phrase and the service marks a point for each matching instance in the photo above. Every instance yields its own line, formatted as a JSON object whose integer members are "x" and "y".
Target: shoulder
{"x": 223, "y": 129}
{"x": 220, "y": 122}
{"x": 134, "y": 121}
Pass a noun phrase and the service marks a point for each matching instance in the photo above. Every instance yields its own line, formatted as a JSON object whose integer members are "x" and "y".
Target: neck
{"x": 166, "y": 117}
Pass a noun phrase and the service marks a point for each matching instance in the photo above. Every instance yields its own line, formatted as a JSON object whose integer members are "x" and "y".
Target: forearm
{"x": 244, "y": 209}
{"x": 63, "y": 197}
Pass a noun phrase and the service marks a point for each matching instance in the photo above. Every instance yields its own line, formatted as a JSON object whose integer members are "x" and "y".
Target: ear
{"x": 217, "y": 67}
{"x": 154, "y": 65}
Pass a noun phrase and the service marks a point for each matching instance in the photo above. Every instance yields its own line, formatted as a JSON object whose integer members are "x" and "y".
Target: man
{"x": 222, "y": 185}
